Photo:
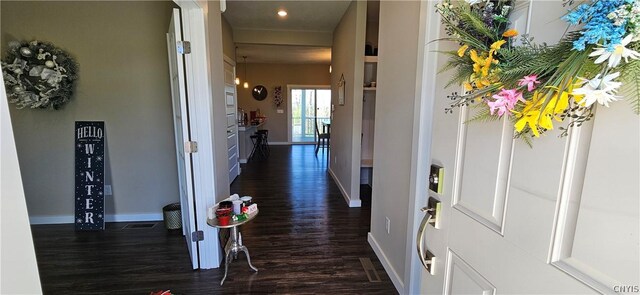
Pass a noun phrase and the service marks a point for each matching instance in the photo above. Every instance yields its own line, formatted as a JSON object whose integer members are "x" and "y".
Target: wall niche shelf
{"x": 370, "y": 59}
{"x": 366, "y": 163}
{"x": 369, "y": 94}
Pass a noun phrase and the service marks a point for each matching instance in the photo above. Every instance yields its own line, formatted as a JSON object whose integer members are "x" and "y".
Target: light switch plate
{"x": 280, "y": 111}
{"x": 107, "y": 190}
{"x": 436, "y": 179}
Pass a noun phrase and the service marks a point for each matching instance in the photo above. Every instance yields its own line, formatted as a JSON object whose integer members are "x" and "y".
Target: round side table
{"x": 234, "y": 244}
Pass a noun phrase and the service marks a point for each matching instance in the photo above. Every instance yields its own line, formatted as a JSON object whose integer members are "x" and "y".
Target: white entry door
{"x": 182, "y": 137}
{"x": 559, "y": 218}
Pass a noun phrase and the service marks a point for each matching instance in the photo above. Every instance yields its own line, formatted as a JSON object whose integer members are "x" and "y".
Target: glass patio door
{"x": 307, "y": 106}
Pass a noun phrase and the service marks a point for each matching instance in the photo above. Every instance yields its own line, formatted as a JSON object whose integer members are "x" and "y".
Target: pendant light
{"x": 246, "y": 84}
{"x": 235, "y": 56}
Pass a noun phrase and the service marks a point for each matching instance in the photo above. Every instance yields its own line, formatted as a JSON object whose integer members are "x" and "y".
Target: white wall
{"x": 347, "y": 58}
{"x": 215, "y": 35}
{"x": 123, "y": 80}
{"x": 270, "y": 76}
{"x": 228, "y": 46}
{"x": 395, "y": 102}
{"x": 18, "y": 267}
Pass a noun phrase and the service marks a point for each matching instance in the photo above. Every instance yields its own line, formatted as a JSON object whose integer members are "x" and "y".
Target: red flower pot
{"x": 224, "y": 220}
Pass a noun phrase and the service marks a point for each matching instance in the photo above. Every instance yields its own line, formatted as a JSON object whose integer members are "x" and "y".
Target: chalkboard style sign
{"x": 89, "y": 138}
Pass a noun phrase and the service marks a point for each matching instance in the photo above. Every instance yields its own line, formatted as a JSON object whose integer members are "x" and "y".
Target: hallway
{"x": 305, "y": 240}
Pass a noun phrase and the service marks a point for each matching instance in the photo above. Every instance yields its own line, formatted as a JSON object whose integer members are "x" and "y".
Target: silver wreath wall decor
{"x": 38, "y": 75}
{"x": 277, "y": 96}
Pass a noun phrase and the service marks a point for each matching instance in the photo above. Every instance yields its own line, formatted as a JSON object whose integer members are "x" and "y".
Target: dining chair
{"x": 323, "y": 139}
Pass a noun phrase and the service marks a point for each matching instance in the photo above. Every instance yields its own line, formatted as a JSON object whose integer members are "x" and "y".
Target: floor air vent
{"x": 139, "y": 226}
{"x": 370, "y": 270}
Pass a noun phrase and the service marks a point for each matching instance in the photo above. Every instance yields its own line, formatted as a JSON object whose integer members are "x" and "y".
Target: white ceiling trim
{"x": 284, "y": 54}
{"x": 298, "y": 38}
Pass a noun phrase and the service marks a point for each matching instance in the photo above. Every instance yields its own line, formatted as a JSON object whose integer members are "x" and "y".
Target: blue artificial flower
{"x": 598, "y": 28}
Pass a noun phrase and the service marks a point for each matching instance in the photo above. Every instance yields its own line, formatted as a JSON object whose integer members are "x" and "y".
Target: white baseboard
{"x": 395, "y": 278}
{"x": 63, "y": 219}
{"x": 345, "y": 195}
{"x": 51, "y": 219}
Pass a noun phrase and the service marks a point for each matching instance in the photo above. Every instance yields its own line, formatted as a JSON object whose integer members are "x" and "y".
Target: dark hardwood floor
{"x": 304, "y": 241}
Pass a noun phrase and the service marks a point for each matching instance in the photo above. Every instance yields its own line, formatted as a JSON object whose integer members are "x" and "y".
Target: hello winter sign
{"x": 89, "y": 139}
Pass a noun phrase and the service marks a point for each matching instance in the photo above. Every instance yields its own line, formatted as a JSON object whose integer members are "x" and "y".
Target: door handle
{"x": 432, "y": 217}
{"x": 426, "y": 257}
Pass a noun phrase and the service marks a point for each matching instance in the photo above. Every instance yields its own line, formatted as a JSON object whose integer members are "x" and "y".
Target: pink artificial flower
{"x": 530, "y": 81}
{"x": 505, "y": 101}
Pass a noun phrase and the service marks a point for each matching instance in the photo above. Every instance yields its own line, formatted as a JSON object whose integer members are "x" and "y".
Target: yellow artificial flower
{"x": 462, "y": 50}
{"x": 530, "y": 115}
{"x": 478, "y": 62}
{"x": 534, "y": 116}
{"x": 467, "y": 86}
{"x": 474, "y": 55}
{"x": 556, "y": 105}
{"x": 510, "y": 33}
{"x": 483, "y": 75}
{"x": 482, "y": 83}
{"x": 487, "y": 64}
{"x": 496, "y": 45}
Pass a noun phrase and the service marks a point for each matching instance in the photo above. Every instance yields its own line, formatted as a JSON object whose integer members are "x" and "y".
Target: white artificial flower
{"x": 601, "y": 90}
{"x": 615, "y": 56}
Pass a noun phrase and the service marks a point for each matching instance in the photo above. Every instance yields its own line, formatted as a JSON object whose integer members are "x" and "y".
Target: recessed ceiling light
{"x": 282, "y": 12}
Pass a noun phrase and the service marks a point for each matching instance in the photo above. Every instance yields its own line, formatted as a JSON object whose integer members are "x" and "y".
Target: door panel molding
{"x": 494, "y": 219}
{"x": 580, "y": 200}
{"x": 521, "y": 17}
{"x": 454, "y": 261}
{"x": 568, "y": 206}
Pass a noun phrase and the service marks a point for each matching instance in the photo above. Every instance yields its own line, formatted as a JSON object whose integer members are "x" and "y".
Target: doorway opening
{"x": 309, "y": 105}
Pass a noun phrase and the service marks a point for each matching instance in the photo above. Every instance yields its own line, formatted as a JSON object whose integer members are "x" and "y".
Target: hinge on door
{"x": 184, "y": 47}
{"x": 191, "y": 147}
{"x": 197, "y": 236}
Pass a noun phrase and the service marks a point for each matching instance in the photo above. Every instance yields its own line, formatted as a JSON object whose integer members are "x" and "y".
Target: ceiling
{"x": 318, "y": 16}
{"x": 260, "y": 17}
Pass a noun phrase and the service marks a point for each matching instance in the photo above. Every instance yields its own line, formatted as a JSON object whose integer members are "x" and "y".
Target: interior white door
{"x": 181, "y": 127}
{"x": 559, "y": 218}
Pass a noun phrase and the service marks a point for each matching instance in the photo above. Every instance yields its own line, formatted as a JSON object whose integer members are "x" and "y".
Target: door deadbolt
{"x": 436, "y": 175}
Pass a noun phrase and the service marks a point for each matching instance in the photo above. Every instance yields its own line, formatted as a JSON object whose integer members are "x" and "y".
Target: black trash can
{"x": 172, "y": 216}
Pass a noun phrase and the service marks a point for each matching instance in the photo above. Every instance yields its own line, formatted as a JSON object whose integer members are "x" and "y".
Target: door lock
{"x": 436, "y": 177}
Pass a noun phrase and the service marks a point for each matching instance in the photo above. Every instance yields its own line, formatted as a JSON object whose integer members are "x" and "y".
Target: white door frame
{"x": 426, "y": 73}
{"x": 295, "y": 86}
{"x": 199, "y": 73}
